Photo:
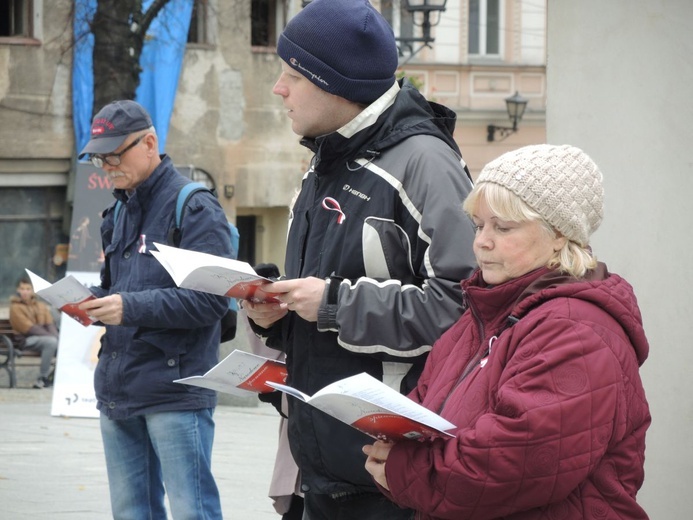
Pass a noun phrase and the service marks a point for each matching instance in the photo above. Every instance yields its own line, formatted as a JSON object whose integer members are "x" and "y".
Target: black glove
{"x": 270, "y": 271}
{"x": 273, "y": 398}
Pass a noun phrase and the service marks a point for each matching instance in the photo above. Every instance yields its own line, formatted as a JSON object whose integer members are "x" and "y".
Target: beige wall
{"x": 226, "y": 120}
{"x": 619, "y": 81}
{"x": 36, "y": 137}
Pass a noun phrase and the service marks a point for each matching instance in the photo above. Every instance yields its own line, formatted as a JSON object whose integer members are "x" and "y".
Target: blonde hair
{"x": 572, "y": 258}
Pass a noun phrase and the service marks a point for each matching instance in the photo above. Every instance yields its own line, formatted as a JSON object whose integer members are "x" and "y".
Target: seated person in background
{"x": 541, "y": 373}
{"x": 35, "y": 329}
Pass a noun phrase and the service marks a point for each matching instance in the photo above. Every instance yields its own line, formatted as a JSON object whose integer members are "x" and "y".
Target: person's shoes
{"x": 42, "y": 382}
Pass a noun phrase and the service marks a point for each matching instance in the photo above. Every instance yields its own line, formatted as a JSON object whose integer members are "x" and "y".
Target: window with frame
{"x": 15, "y": 18}
{"x": 198, "y": 33}
{"x": 267, "y": 20}
{"x": 484, "y": 27}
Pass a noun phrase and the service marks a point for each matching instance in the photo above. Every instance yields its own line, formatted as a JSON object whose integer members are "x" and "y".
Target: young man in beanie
{"x": 377, "y": 241}
{"x": 157, "y": 434}
{"x": 541, "y": 374}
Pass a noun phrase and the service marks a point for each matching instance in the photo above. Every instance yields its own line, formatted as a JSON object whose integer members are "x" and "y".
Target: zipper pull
{"x": 484, "y": 360}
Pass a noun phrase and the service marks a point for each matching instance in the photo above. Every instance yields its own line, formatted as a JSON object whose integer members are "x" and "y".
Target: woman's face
{"x": 505, "y": 250}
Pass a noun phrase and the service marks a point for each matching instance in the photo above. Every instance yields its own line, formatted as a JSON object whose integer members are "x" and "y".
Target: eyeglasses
{"x": 112, "y": 159}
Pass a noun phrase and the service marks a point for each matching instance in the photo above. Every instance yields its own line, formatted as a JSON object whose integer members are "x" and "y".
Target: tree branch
{"x": 148, "y": 18}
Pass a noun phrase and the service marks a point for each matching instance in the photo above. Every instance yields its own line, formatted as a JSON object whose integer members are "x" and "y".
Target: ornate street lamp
{"x": 421, "y": 9}
{"x": 516, "y": 105}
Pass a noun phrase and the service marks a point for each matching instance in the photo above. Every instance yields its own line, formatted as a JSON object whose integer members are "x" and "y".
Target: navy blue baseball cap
{"x": 113, "y": 124}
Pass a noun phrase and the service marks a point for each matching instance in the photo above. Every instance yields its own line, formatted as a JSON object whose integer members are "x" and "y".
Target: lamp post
{"x": 425, "y": 7}
{"x": 515, "y": 105}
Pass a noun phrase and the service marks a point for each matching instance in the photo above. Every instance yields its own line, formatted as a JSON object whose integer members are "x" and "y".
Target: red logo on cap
{"x": 100, "y": 126}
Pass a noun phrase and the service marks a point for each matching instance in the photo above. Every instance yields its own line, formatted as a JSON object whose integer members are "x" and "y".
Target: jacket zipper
{"x": 473, "y": 362}
{"x": 479, "y": 360}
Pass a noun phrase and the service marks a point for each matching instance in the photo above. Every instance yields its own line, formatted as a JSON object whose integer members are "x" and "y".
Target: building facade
{"x": 227, "y": 127}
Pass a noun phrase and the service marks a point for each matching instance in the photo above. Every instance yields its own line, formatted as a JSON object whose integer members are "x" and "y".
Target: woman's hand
{"x": 375, "y": 463}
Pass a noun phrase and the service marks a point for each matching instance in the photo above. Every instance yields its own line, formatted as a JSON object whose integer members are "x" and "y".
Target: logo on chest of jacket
{"x": 356, "y": 193}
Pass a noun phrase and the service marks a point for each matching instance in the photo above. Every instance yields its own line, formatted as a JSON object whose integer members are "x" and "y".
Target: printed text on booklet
{"x": 240, "y": 373}
{"x": 65, "y": 294}
{"x": 374, "y": 408}
{"x": 212, "y": 274}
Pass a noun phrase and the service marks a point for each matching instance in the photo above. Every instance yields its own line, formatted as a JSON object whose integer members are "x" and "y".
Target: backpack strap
{"x": 116, "y": 210}
{"x": 184, "y": 195}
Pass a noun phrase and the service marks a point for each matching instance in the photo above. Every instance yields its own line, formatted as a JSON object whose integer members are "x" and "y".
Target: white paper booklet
{"x": 65, "y": 294}
{"x": 374, "y": 408}
{"x": 240, "y": 373}
{"x": 212, "y": 274}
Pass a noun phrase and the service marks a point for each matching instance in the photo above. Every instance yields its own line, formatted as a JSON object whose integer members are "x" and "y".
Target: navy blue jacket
{"x": 167, "y": 333}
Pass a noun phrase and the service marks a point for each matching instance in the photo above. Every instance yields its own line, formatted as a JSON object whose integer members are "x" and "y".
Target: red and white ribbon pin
{"x": 331, "y": 204}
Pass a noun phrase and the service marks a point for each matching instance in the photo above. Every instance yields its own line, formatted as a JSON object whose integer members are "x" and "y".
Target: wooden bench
{"x": 12, "y": 357}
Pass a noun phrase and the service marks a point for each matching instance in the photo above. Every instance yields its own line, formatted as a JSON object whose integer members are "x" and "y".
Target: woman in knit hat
{"x": 541, "y": 374}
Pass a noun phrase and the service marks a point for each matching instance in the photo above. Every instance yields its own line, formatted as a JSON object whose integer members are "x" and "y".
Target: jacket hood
{"x": 400, "y": 113}
{"x": 606, "y": 290}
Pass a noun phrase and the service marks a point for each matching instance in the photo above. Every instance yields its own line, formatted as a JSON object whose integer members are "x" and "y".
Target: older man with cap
{"x": 541, "y": 374}
{"x": 157, "y": 434}
{"x": 377, "y": 241}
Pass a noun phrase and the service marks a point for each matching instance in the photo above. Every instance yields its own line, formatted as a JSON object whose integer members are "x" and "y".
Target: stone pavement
{"x": 53, "y": 467}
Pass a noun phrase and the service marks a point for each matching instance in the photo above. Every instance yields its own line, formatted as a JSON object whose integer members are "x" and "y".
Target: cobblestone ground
{"x": 53, "y": 467}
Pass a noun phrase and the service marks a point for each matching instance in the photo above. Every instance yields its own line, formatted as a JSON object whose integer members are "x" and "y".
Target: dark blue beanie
{"x": 345, "y": 47}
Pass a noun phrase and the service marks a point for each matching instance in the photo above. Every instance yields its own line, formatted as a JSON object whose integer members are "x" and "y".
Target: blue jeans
{"x": 172, "y": 449}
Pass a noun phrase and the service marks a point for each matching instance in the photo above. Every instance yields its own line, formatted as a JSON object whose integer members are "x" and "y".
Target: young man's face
{"x": 313, "y": 112}
{"x": 25, "y": 291}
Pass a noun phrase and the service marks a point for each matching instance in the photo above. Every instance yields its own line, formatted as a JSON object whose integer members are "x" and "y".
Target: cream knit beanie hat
{"x": 561, "y": 183}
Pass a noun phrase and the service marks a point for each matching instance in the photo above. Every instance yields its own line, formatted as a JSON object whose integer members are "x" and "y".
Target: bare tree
{"x": 119, "y": 28}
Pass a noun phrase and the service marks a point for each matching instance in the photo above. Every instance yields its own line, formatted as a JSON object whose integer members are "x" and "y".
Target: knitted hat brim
{"x": 327, "y": 78}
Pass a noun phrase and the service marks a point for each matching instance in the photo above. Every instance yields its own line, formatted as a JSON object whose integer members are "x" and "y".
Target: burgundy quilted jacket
{"x": 551, "y": 422}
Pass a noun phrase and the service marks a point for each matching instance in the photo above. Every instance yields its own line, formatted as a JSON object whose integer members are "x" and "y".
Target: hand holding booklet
{"x": 65, "y": 294}
{"x": 240, "y": 373}
{"x": 212, "y": 274}
{"x": 374, "y": 408}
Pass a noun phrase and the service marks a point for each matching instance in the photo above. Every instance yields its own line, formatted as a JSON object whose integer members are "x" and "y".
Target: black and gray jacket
{"x": 380, "y": 216}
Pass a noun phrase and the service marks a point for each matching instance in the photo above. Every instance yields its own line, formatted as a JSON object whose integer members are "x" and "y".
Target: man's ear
{"x": 152, "y": 144}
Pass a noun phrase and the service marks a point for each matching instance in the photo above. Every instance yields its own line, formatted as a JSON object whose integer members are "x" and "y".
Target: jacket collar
{"x": 398, "y": 114}
{"x": 494, "y": 304}
{"x": 143, "y": 191}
